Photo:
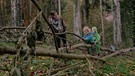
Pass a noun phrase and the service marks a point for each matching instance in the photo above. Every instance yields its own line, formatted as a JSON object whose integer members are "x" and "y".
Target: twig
{"x": 51, "y": 66}
{"x": 70, "y": 66}
{"x": 92, "y": 74}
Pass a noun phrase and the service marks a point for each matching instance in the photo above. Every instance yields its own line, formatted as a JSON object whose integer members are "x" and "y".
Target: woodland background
{"x": 115, "y": 20}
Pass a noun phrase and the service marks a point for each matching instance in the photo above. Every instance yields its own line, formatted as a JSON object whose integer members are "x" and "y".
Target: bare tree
{"x": 85, "y": 11}
{"x": 1, "y": 18}
{"x": 13, "y": 12}
{"x": 102, "y": 24}
{"x": 77, "y": 18}
{"x": 117, "y": 23}
{"x": 59, "y": 5}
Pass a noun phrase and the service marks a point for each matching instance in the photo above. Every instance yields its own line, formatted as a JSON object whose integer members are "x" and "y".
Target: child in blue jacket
{"x": 88, "y": 37}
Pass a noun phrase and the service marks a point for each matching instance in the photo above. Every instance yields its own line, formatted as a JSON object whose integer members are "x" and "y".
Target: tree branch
{"x": 50, "y": 25}
{"x": 4, "y": 28}
{"x": 118, "y": 52}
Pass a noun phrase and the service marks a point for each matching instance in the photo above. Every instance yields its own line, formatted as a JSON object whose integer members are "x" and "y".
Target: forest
{"x": 67, "y": 37}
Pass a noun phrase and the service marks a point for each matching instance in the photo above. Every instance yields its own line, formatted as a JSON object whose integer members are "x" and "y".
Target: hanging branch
{"x": 66, "y": 33}
{"x": 50, "y": 25}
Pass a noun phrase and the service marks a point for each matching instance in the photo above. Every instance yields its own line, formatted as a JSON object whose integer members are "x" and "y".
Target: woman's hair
{"x": 53, "y": 12}
{"x": 86, "y": 28}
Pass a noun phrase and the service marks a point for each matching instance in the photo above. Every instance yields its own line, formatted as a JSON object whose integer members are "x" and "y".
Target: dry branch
{"x": 4, "y": 28}
{"x": 65, "y": 33}
{"x": 50, "y": 25}
{"x": 92, "y": 74}
{"x": 119, "y": 52}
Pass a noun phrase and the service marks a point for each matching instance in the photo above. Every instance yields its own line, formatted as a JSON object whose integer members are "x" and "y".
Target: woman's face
{"x": 54, "y": 16}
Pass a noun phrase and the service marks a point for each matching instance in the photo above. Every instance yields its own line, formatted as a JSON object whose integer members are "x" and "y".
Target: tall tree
{"x": 77, "y": 18}
{"x": 1, "y": 20}
{"x": 102, "y": 24}
{"x": 59, "y": 3}
{"x": 85, "y": 11}
{"x": 2, "y": 12}
{"x": 19, "y": 19}
{"x": 14, "y": 12}
{"x": 117, "y": 21}
{"x": 133, "y": 18}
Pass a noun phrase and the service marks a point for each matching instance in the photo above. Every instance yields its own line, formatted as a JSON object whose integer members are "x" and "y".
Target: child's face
{"x": 86, "y": 31}
{"x": 93, "y": 30}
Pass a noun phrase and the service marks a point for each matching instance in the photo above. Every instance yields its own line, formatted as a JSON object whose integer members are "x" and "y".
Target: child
{"x": 88, "y": 36}
{"x": 96, "y": 39}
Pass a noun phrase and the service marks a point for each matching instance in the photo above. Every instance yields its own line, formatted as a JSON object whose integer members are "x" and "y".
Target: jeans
{"x": 59, "y": 38}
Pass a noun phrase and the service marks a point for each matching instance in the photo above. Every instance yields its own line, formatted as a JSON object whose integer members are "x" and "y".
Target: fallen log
{"x": 51, "y": 53}
{"x": 86, "y": 45}
{"x": 118, "y": 52}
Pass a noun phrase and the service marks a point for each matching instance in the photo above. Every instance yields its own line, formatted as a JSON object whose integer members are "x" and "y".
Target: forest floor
{"x": 120, "y": 65}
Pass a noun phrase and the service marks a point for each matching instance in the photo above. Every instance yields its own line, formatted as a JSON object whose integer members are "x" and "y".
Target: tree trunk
{"x": 1, "y": 20}
{"x": 51, "y": 53}
{"x": 84, "y": 17}
{"x": 4, "y": 13}
{"x": 30, "y": 11}
{"x": 114, "y": 24}
{"x": 85, "y": 11}
{"x": 118, "y": 23}
{"x": 59, "y": 8}
{"x": 18, "y": 21}
{"x": 77, "y": 19}
{"x": 2, "y": 16}
{"x": 13, "y": 13}
{"x": 102, "y": 24}
{"x": 133, "y": 15}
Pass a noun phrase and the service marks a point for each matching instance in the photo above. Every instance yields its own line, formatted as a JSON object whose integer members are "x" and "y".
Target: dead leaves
{"x": 120, "y": 75}
{"x": 132, "y": 72}
{"x": 129, "y": 62}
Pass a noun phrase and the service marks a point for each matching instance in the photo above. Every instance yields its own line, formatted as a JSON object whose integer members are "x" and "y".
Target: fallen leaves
{"x": 31, "y": 68}
{"x": 132, "y": 72}
{"x": 120, "y": 75}
{"x": 129, "y": 62}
